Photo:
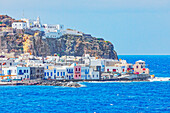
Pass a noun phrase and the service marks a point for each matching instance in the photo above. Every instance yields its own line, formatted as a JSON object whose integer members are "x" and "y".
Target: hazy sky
{"x": 133, "y": 26}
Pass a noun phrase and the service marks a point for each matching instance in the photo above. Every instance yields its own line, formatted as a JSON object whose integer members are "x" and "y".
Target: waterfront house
{"x": 84, "y": 72}
{"x": 113, "y": 69}
{"x": 23, "y": 73}
{"x": 8, "y": 72}
{"x": 48, "y": 74}
{"x": 69, "y": 73}
{"x": 93, "y": 75}
{"x": 60, "y": 73}
{"x": 140, "y": 67}
{"x": 77, "y": 72}
{"x": 36, "y": 72}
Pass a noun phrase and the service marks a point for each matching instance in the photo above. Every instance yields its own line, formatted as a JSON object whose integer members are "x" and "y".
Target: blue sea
{"x": 133, "y": 97}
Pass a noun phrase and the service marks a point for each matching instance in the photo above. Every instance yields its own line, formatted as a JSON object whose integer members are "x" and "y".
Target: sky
{"x": 133, "y": 26}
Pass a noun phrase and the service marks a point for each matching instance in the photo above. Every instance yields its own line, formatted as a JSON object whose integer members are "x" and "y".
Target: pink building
{"x": 77, "y": 72}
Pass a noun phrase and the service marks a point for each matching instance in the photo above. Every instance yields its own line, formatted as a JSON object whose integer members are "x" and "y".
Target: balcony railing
{"x": 20, "y": 73}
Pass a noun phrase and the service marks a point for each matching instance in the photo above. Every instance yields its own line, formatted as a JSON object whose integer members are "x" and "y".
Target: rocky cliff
{"x": 79, "y": 45}
{"x": 28, "y": 41}
{"x": 65, "y": 45}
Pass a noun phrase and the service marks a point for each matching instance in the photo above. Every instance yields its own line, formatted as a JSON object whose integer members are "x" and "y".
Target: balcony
{"x": 77, "y": 71}
{"x": 20, "y": 73}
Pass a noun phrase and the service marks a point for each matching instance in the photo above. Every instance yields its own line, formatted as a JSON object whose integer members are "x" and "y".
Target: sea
{"x": 95, "y": 97}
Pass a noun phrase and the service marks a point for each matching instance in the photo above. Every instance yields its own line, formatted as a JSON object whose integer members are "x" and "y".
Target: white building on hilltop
{"x": 19, "y": 25}
{"x": 29, "y": 22}
{"x": 53, "y": 31}
{"x": 73, "y": 32}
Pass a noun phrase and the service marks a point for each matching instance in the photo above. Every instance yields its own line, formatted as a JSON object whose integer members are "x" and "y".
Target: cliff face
{"x": 28, "y": 41}
{"x": 21, "y": 42}
{"x": 79, "y": 45}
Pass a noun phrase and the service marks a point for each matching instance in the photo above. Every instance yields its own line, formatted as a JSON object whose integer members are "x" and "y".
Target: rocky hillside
{"x": 79, "y": 45}
{"x": 28, "y": 41}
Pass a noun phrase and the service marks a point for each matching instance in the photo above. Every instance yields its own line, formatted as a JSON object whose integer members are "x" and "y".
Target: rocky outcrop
{"x": 29, "y": 41}
{"x": 71, "y": 45}
{"x": 74, "y": 45}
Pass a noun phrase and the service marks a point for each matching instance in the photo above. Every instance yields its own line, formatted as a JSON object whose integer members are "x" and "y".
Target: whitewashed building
{"x": 19, "y": 25}
{"x": 17, "y": 72}
{"x": 53, "y": 31}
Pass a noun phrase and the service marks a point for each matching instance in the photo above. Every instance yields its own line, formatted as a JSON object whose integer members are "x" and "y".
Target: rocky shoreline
{"x": 43, "y": 83}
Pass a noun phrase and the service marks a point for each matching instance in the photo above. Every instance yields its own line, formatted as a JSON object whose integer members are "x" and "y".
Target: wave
{"x": 159, "y": 79}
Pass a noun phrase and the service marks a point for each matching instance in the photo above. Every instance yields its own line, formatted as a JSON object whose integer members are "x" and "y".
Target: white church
{"x": 51, "y": 31}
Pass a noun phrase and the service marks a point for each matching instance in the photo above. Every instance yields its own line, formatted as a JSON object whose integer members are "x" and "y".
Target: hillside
{"x": 29, "y": 41}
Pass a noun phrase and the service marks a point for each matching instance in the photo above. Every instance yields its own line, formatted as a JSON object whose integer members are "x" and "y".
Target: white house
{"x": 60, "y": 73}
{"x": 23, "y": 73}
{"x": 94, "y": 75}
{"x": 56, "y": 34}
{"x": 69, "y": 72}
{"x": 84, "y": 72}
{"x": 19, "y": 25}
{"x": 73, "y": 32}
{"x": 113, "y": 69}
{"x": 48, "y": 73}
{"x": 29, "y": 22}
{"x": 53, "y": 31}
{"x": 17, "y": 72}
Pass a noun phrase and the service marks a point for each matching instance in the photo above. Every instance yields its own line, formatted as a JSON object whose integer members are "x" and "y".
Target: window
{"x": 20, "y": 71}
{"x": 141, "y": 66}
{"x": 114, "y": 70}
{"x": 93, "y": 76}
{"x": 38, "y": 71}
{"x": 27, "y": 76}
{"x": 76, "y": 69}
{"x": 136, "y": 66}
{"x": 76, "y": 75}
{"x": 96, "y": 75}
{"x": 51, "y": 73}
{"x": 79, "y": 69}
{"x": 27, "y": 71}
{"x": 57, "y": 73}
{"x": 89, "y": 76}
{"x": 63, "y": 73}
{"x": 10, "y": 64}
{"x": 47, "y": 73}
{"x": 79, "y": 75}
{"x": 107, "y": 70}
{"x": 24, "y": 71}
{"x": 44, "y": 73}
{"x": 123, "y": 70}
{"x": 54, "y": 71}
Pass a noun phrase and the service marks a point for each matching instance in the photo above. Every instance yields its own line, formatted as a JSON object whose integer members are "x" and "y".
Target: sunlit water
{"x": 94, "y": 97}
